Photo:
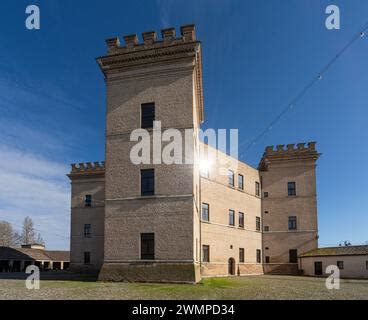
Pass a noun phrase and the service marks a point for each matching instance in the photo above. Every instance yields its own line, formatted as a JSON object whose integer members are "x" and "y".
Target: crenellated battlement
{"x": 290, "y": 152}
{"x": 150, "y": 40}
{"x": 170, "y": 53}
{"x": 291, "y": 148}
{"x": 97, "y": 167}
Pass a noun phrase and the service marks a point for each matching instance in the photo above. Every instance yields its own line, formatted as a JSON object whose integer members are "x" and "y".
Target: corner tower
{"x": 151, "y": 210}
{"x": 289, "y": 205}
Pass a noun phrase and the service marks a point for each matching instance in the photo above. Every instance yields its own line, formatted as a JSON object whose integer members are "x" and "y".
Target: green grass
{"x": 251, "y": 287}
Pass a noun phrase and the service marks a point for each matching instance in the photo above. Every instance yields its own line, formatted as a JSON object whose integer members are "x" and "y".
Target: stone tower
{"x": 289, "y": 205}
{"x": 151, "y": 210}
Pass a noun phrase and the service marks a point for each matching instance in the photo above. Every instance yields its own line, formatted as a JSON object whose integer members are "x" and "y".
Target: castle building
{"x": 176, "y": 222}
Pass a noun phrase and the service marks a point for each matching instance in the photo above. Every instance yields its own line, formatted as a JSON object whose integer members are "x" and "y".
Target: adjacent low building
{"x": 351, "y": 260}
{"x": 17, "y": 259}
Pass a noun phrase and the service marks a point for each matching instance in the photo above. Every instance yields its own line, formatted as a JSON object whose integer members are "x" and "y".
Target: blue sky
{"x": 256, "y": 56}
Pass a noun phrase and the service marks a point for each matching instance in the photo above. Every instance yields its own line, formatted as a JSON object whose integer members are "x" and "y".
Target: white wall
{"x": 354, "y": 266}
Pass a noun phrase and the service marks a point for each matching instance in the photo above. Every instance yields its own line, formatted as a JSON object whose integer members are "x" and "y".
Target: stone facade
{"x": 168, "y": 73}
{"x": 278, "y": 168}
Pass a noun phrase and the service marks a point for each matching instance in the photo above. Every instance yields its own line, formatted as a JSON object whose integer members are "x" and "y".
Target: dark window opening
{"x": 87, "y": 257}
{"x": 205, "y": 212}
{"x": 291, "y": 189}
{"x": 241, "y": 254}
{"x": 88, "y": 200}
{"x": 258, "y": 223}
{"x": 259, "y": 256}
{"x": 267, "y": 258}
{"x": 205, "y": 253}
{"x": 147, "y": 182}
{"x": 241, "y": 219}
{"x": 257, "y": 189}
{"x": 148, "y": 115}
{"x": 266, "y": 228}
{"x": 240, "y": 182}
{"x": 292, "y": 223}
{"x": 147, "y": 246}
{"x": 293, "y": 255}
{"x": 87, "y": 230}
{"x": 265, "y": 194}
{"x": 231, "y": 177}
{"x": 340, "y": 264}
{"x": 231, "y": 217}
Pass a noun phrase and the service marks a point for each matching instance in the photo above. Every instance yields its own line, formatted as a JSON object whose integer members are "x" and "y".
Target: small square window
{"x": 292, "y": 223}
{"x": 265, "y": 194}
{"x": 266, "y": 228}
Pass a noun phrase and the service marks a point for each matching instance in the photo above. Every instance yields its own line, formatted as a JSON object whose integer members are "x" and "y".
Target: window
{"x": 266, "y": 212}
{"x": 258, "y": 253}
{"x": 267, "y": 258}
{"x": 258, "y": 223}
{"x": 148, "y": 115}
{"x": 87, "y": 230}
{"x": 205, "y": 253}
{"x": 231, "y": 177}
{"x": 240, "y": 182}
{"x": 266, "y": 228}
{"x": 241, "y": 254}
{"x": 293, "y": 255}
{"x": 231, "y": 217}
{"x": 147, "y": 182}
{"x": 340, "y": 264}
{"x": 265, "y": 194}
{"x": 292, "y": 223}
{"x": 257, "y": 189}
{"x": 291, "y": 189}
{"x": 147, "y": 246}
{"x": 205, "y": 212}
{"x": 241, "y": 220}
{"x": 366, "y": 265}
{"x": 88, "y": 200}
{"x": 87, "y": 257}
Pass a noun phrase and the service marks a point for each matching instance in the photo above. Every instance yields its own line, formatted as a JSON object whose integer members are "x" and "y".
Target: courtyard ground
{"x": 250, "y": 287}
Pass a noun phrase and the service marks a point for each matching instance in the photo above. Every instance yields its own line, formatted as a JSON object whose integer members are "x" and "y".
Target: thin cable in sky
{"x": 360, "y": 34}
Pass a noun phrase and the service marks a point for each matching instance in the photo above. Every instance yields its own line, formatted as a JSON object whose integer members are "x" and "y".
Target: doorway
{"x": 318, "y": 268}
{"x": 232, "y": 266}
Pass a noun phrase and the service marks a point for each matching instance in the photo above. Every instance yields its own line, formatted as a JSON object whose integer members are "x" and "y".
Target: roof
{"x": 8, "y": 253}
{"x": 337, "y": 251}
{"x": 58, "y": 255}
